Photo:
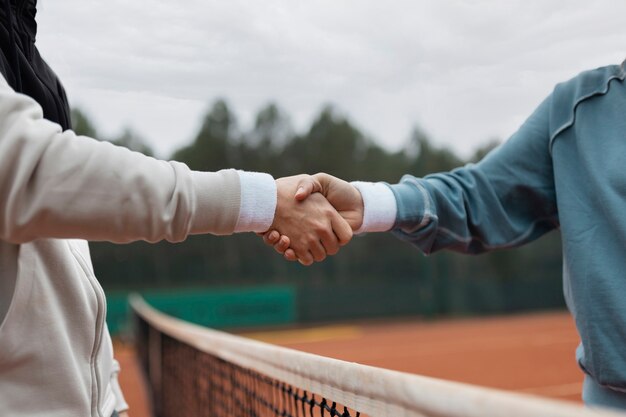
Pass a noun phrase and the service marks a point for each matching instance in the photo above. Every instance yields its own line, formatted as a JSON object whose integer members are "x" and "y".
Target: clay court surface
{"x": 531, "y": 353}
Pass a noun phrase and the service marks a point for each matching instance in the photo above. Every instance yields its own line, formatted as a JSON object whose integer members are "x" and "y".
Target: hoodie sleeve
{"x": 56, "y": 184}
{"x": 120, "y": 401}
{"x": 505, "y": 200}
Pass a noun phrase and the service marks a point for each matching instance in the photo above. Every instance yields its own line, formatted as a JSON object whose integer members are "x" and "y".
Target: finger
{"x": 282, "y": 245}
{"x": 271, "y": 238}
{"x": 317, "y": 250}
{"x": 305, "y": 258}
{"x": 325, "y": 181}
{"x": 306, "y": 187}
{"x": 342, "y": 229}
{"x": 290, "y": 255}
{"x": 330, "y": 242}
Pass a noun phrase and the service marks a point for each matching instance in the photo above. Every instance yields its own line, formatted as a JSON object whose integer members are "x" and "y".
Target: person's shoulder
{"x": 589, "y": 83}
{"x": 571, "y": 93}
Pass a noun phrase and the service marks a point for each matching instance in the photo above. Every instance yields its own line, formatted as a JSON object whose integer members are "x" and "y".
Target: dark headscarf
{"x": 22, "y": 66}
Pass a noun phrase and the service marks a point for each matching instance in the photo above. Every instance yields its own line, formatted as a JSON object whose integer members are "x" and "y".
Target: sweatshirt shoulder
{"x": 569, "y": 94}
{"x": 590, "y": 82}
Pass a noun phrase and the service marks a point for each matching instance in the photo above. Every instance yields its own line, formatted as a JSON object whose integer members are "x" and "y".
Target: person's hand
{"x": 312, "y": 226}
{"x": 123, "y": 414}
{"x": 344, "y": 197}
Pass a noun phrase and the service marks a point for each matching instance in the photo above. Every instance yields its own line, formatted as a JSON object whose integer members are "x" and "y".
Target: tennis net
{"x": 195, "y": 371}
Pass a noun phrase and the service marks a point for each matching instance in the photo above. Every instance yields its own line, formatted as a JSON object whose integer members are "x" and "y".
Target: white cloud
{"x": 466, "y": 71}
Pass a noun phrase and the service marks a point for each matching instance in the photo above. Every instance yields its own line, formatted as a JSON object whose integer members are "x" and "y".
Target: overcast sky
{"x": 465, "y": 71}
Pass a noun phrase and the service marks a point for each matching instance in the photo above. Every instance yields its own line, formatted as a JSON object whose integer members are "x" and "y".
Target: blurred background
{"x": 363, "y": 90}
{"x": 359, "y": 89}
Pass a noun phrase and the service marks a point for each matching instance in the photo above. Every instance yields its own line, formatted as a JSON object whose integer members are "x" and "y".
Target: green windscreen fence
{"x": 309, "y": 302}
{"x": 220, "y": 308}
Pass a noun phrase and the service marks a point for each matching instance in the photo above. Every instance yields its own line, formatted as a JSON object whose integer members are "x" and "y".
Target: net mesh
{"x": 193, "y": 371}
{"x": 200, "y": 384}
{"x": 190, "y": 382}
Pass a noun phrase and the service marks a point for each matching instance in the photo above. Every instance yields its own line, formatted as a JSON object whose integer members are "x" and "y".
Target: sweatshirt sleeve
{"x": 505, "y": 200}
{"x": 56, "y": 184}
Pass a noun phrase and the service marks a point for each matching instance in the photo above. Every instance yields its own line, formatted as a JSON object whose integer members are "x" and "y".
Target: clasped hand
{"x": 315, "y": 216}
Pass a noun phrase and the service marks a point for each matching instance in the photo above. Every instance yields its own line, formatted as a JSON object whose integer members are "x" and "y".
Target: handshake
{"x": 315, "y": 216}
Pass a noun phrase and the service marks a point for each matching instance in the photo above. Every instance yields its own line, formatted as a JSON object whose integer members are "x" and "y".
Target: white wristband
{"x": 258, "y": 202}
{"x": 379, "y": 207}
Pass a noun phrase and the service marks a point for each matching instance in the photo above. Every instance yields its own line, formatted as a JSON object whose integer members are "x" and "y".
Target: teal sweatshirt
{"x": 564, "y": 168}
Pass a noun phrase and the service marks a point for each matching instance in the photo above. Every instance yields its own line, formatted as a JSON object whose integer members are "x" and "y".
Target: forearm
{"x": 506, "y": 200}
{"x": 58, "y": 185}
{"x": 458, "y": 211}
{"x": 464, "y": 211}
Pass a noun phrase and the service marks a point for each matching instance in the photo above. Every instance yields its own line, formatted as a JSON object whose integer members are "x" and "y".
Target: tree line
{"x": 332, "y": 144}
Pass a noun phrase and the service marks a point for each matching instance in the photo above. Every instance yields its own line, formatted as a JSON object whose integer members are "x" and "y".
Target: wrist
{"x": 379, "y": 207}
{"x": 258, "y": 202}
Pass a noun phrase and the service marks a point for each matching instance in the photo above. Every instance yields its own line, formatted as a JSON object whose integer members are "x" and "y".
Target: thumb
{"x": 307, "y": 186}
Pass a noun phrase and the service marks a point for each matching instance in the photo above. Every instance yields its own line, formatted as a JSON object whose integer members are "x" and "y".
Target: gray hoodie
{"x": 56, "y": 358}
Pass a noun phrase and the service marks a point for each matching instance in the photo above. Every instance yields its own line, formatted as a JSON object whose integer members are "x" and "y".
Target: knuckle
{"x": 321, "y": 228}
